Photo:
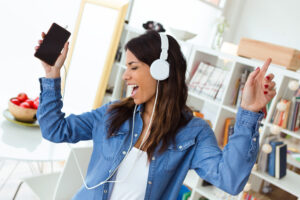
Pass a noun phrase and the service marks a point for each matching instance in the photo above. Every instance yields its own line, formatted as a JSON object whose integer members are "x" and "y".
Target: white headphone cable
{"x": 107, "y": 179}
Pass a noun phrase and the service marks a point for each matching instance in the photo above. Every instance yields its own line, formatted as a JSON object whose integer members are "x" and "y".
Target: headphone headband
{"x": 164, "y": 46}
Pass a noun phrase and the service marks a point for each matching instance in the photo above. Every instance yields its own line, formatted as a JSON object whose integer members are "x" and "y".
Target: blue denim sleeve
{"x": 53, "y": 123}
{"x": 229, "y": 169}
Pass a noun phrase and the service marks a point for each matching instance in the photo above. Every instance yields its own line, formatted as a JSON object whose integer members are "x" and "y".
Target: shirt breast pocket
{"x": 176, "y": 154}
{"x": 110, "y": 146}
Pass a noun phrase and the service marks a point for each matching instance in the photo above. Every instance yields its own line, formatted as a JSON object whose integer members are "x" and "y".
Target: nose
{"x": 126, "y": 75}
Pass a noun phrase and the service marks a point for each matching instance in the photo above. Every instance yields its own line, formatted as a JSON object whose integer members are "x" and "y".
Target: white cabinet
{"x": 218, "y": 110}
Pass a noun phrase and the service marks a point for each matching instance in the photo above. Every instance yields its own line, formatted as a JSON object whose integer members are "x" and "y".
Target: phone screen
{"x": 52, "y": 44}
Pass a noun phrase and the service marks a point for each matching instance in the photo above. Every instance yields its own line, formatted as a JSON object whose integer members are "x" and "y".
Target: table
{"x": 22, "y": 143}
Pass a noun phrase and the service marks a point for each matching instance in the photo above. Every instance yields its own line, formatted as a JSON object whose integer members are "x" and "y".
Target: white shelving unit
{"x": 218, "y": 111}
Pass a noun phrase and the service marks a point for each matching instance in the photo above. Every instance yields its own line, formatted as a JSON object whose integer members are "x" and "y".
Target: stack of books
{"x": 290, "y": 117}
{"x": 277, "y": 159}
{"x": 208, "y": 81}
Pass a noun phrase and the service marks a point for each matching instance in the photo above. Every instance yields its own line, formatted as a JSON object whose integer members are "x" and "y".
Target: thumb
{"x": 253, "y": 75}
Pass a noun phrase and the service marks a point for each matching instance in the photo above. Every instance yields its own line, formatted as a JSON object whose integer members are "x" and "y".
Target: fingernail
{"x": 268, "y": 78}
{"x": 257, "y": 69}
{"x": 266, "y": 86}
{"x": 265, "y": 92}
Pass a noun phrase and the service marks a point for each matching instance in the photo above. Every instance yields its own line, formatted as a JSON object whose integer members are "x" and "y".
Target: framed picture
{"x": 91, "y": 55}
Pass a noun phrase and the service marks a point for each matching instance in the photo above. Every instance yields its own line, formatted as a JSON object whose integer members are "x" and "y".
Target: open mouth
{"x": 134, "y": 90}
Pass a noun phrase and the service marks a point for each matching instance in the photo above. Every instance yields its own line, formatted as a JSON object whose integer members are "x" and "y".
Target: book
{"x": 290, "y": 120}
{"x": 228, "y": 129}
{"x": 213, "y": 83}
{"x": 280, "y": 161}
{"x": 235, "y": 91}
{"x": 204, "y": 78}
{"x": 195, "y": 81}
{"x": 271, "y": 157}
{"x": 242, "y": 84}
{"x": 286, "y": 114}
{"x": 222, "y": 85}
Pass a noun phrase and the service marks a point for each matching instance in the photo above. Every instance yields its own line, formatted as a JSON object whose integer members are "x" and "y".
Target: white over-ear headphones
{"x": 159, "y": 69}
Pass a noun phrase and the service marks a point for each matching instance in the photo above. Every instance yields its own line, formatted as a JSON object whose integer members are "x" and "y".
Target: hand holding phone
{"x": 52, "y": 44}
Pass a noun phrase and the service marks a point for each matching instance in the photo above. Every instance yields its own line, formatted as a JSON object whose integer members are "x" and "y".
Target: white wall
{"x": 21, "y": 25}
{"x": 274, "y": 21}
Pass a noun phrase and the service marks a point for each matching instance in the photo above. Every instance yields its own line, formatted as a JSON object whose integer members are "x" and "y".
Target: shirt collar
{"x": 140, "y": 108}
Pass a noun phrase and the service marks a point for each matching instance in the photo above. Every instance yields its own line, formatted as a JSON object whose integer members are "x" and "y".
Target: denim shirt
{"x": 196, "y": 148}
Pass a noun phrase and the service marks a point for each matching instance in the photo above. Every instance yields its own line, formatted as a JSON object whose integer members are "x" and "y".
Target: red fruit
{"x": 25, "y": 105}
{"x": 15, "y": 101}
{"x": 22, "y": 97}
{"x": 30, "y": 102}
{"x": 35, "y": 104}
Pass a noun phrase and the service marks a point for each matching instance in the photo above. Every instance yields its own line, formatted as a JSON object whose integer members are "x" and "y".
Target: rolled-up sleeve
{"x": 229, "y": 169}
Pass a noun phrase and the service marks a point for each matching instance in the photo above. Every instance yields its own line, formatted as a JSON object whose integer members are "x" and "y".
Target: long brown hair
{"x": 171, "y": 112}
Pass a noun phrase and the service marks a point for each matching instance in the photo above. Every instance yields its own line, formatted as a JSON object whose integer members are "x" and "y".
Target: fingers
{"x": 270, "y": 93}
{"x": 269, "y": 85}
{"x": 253, "y": 75}
{"x": 65, "y": 49}
{"x": 266, "y": 66}
{"x": 40, "y": 41}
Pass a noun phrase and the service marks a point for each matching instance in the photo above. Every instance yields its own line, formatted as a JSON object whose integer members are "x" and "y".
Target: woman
{"x": 167, "y": 139}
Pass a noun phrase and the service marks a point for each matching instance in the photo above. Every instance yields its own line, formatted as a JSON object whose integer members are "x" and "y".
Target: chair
{"x": 60, "y": 185}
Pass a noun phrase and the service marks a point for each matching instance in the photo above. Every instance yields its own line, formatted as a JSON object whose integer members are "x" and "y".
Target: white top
{"x": 133, "y": 174}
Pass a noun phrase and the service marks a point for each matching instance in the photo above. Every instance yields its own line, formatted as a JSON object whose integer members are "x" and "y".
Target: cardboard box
{"x": 284, "y": 56}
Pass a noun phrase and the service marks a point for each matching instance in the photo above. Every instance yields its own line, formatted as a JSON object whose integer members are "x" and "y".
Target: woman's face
{"x": 138, "y": 74}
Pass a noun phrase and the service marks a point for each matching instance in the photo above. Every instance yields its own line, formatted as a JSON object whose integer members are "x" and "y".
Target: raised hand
{"x": 54, "y": 71}
{"x": 259, "y": 89}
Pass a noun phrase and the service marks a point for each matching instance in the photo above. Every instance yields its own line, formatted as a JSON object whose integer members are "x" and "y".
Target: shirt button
{"x": 254, "y": 139}
{"x": 105, "y": 191}
{"x": 124, "y": 152}
{"x": 153, "y": 158}
{"x": 135, "y": 135}
{"x": 180, "y": 147}
{"x": 149, "y": 182}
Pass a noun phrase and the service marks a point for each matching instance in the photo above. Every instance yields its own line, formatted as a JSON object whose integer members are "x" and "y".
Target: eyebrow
{"x": 130, "y": 63}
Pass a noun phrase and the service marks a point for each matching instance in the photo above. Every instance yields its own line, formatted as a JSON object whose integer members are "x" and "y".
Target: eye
{"x": 134, "y": 68}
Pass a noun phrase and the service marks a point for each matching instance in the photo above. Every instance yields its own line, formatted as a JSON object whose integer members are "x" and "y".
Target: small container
{"x": 22, "y": 114}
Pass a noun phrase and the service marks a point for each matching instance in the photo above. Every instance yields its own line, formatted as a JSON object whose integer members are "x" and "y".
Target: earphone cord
{"x": 107, "y": 179}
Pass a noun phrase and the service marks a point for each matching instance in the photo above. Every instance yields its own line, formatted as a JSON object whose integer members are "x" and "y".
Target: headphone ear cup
{"x": 160, "y": 69}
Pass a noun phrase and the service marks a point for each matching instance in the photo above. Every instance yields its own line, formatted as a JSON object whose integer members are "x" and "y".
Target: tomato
{"x": 37, "y": 99}
{"x": 25, "y": 105}
{"x": 22, "y": 97}
{"x": 30, "y": 102}
{"x": 15, "y": 101}
{"x": 35, "y": 104}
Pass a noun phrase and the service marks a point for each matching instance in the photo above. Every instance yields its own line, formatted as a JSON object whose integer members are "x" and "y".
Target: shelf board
{"x": 289, "y": 183}
{"x": 288, "y": 132}
{"x": 232, "y": 109}
{"x": 214, "y": 193}
{"x": 191, "y": 179}
{"x": 205, "y": 99}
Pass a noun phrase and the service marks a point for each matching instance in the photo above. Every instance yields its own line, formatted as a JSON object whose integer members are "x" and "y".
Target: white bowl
{"x": 182, "y": 34}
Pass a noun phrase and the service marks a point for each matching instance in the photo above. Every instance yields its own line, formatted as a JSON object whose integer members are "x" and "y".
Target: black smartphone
{"x": 52, "y": 44}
